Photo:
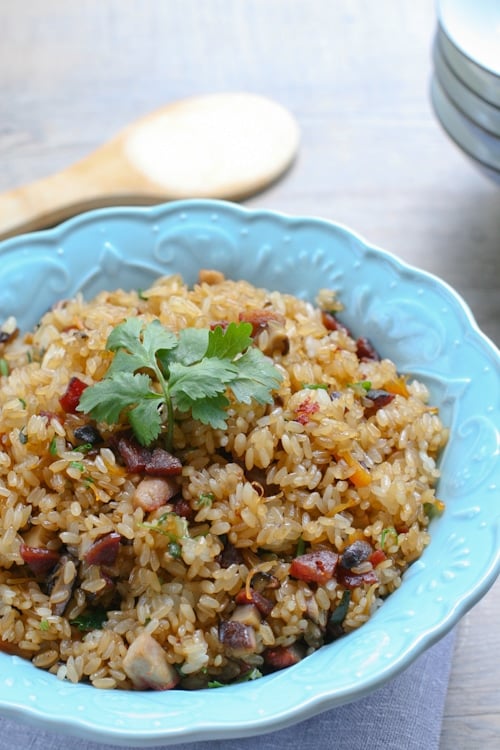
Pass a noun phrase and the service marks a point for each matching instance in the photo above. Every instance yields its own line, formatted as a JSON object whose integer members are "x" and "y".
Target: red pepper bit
{"x": 306, "y": 409}
{"x": 71, "y": 397}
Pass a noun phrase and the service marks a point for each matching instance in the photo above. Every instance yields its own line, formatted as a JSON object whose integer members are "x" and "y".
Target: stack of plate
{"x": 465, "y": 88}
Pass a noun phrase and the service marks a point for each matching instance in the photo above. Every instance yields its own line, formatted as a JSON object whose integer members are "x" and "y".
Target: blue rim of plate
{"x": 399, "y": 631}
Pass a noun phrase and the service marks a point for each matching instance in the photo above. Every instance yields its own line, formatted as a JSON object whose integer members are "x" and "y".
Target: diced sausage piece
{"x": 141, "y": 460}
{"x": 238, "y": 638}
{"x": 331, "y": 323}
{"x": 71, "y": 397}
{"x": 154, "y": 492}
{"x": 283, "y": 656}
{"x": 377, "y": 557}
{"x": 318, "y": 566}
{"x": 145, "y": 663}
{"x": 104, "y": 550}
{"x": 39, "y": 559}
{"x": 163, "y": 464}
{"x": 352, "y": 580}
{"x": 366, "y": 350}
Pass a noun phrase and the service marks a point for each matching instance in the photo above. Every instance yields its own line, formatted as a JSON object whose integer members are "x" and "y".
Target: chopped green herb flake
{"x": 23, "y": 438}
{"x": 53, "y": 447}
{"x": 170, "y": 525}
{"x": 301, "y": 547}
{"x": 215, "y": 684}
{"x": 91, "y": 619}
{"x": 390, "y": 532}
{"x": 315, "y": 386}
{"x": 77, "y": 465}
{"x": 205, "y": 500}
{"x": 83, "y": 448}
{"x": 4, "y": 366}
{"x": 252, "y": 674}
{"x": 339, "y": 613}
{"x": 433, "y": 510}
{"x": 363, "y": 385}
{"x": 44, "y": 625}
{"x": 174, "y": 549}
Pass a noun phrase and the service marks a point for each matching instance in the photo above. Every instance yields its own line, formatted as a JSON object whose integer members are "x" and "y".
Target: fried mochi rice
{"x": 260, "y": 542}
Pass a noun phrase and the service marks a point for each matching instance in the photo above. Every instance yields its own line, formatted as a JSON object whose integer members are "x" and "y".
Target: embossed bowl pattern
{"x": 413, "y": 318}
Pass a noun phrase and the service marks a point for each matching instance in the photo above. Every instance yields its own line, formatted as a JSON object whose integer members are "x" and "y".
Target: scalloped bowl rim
{"x": 372, "y": 653}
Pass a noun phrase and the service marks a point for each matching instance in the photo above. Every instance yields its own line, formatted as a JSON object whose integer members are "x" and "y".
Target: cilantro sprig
{"x": 155, "y": 372}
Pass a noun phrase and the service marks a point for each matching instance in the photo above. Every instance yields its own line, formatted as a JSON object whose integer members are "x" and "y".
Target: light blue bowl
{"x": 411, "y": 317}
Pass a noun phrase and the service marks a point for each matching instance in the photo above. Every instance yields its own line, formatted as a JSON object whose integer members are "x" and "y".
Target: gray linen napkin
{"x": 405, "y": 713}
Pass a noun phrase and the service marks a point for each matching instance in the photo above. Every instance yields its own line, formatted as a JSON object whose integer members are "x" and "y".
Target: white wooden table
{"x": 356, "y": 75}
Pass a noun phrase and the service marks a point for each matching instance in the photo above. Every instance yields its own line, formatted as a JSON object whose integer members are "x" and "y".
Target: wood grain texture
{"x": 226, "y": 146}
{"x": 356, "y": 76}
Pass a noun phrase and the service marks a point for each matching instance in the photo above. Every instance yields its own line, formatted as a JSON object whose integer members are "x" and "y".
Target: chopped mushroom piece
{"x": 145, "y": 663}
{"x": 263, "y": 604}
{"x": 239, "y": 639}
{"x": 154, "y": 492}
{"x": 248, "y": 614}
{"x": 356, "y": 553}
{"x": 61, "y": 584}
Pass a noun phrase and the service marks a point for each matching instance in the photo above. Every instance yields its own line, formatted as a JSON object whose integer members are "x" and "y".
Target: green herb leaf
{"x": 203, "y": 379}
{"x": 228, "y": 343}
{"x": 192, "y": 346}
{"x": 257, "y": 377}
{"x": 339, "y": 613}
{"x": 107, "y": 399}
{"x": 152, "y": 368}
{"x": 211, "y": 411}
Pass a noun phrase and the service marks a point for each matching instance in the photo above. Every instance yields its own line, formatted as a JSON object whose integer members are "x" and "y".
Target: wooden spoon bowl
{"x": 226, "y": 146}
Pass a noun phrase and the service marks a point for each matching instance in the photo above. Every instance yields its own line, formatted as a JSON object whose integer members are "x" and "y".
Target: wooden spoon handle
{"x": 91, "y": 183}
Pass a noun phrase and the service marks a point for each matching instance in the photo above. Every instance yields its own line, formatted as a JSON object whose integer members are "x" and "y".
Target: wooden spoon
{"x": 227, "y": 146}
